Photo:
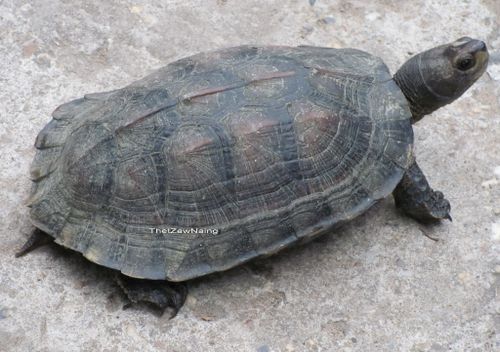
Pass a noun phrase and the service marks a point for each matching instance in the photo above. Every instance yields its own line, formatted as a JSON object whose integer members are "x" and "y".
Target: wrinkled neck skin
{"x": 421, "y": 98}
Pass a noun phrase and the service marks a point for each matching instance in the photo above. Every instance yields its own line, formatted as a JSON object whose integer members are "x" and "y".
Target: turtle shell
{"x": 219, "y": 158}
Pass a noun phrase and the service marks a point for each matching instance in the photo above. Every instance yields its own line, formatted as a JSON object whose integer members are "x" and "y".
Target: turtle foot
{"x": 434, "y": 208}
{"x": 37, "y": 239}
{"x": 415, "y": 197}
{"x": 157, "y": 294}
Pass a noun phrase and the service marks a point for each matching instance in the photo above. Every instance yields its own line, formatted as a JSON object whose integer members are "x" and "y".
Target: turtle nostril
{"x": 469, "y": 45}
{"x": 481, "y": 46}
{"x": 477, "y": 46}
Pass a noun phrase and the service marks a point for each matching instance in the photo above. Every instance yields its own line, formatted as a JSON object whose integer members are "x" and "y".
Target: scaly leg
{"x": 160, "y": 294}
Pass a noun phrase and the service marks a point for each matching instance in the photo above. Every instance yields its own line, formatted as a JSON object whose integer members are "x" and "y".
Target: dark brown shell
{"x": 266, "y": 145}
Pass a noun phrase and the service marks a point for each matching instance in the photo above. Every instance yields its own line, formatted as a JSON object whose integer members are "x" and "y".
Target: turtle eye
{"x": 465, "y": 63}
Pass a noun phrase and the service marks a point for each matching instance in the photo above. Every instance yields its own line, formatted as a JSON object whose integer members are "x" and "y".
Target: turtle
{"x": 230, "y": 155}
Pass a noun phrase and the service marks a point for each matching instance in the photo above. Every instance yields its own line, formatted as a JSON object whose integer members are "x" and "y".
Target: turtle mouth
{"x": 482, "y": 56}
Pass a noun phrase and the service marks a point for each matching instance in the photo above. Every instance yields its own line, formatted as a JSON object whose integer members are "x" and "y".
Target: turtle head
{"x": 440, "y": 75}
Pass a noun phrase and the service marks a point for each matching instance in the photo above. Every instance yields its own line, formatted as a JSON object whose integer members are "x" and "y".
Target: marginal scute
{"x": 263, "y": 146}
{"x": 44, "y": 163}
{"x": 67, "y": 111}
{"x": 52, "y": 135}
{"x": 100, "y": 96}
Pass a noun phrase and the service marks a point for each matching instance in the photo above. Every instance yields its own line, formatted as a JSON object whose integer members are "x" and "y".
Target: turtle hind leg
{"x": 37, "y": 239}
{"x": 417, "y": 199}
{"x": 157, "y": 294}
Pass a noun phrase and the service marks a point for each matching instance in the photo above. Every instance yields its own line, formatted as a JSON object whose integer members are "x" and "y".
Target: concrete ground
{"x": 378, "y": 284}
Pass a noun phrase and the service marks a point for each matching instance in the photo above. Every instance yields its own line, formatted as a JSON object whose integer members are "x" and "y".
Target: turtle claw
{"x": 156, "y": 294}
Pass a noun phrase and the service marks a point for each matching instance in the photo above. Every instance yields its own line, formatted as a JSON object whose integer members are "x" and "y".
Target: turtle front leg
{"x": 417, "y": 199}
{"x": 158, "y": 294}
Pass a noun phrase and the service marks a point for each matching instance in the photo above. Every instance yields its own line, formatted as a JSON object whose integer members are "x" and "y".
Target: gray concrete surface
{"x": 378, "y": 284}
